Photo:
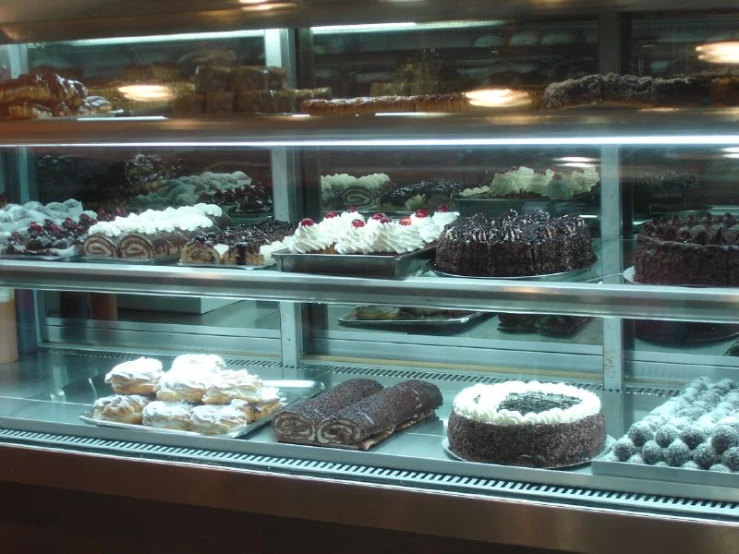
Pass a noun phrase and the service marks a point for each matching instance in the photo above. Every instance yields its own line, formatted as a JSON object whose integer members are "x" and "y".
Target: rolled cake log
{"x": 205, "y": 252}
{"x": 375, "y": 418}
{"x": 299, "y": 424}
{"x": 137, "y": 246}
{"x": 100, "y": 246}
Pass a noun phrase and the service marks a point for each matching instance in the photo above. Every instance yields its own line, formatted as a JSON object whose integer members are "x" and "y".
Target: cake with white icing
{"x": 527, "y": 424}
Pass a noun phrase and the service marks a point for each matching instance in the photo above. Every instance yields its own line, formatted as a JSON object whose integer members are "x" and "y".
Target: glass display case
{"x": 471, "y": 262}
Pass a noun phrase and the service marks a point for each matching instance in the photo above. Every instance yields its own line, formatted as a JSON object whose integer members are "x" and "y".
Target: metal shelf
{"x": 40, "y": 20}
{"x": 630, "y": 301}
{"x": 692, "y": 127}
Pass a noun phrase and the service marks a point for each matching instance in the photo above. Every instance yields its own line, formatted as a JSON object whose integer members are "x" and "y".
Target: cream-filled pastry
{"x": 139, "y": 376}
{"x": 120, "y": 408}
{"x": 168, "y": 415}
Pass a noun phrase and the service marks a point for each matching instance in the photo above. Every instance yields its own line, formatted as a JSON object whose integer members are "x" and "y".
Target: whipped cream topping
{"x": 311, "y": 238}
{"x": 356, "y": 240}
{"x": 480, "y": 402}
{"x": 153, "y": 221}
{"x": 140, "y": 368}
{"x": 234, "y": 413}
{"x": 474, "y": 191}
{"x": 167, "y": 410}
{"x": 393, "y": 237}
{"x": 343, "y": 181}
{"x": 560, "y": 187}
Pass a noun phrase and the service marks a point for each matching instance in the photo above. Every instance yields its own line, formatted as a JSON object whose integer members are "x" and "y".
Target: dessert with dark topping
{"x": 668, "y": 192}
{"x": 689, "y": 251}
{"x": 425, "y": 194}
{"x": 50, "y": 239}
{"x": 624, "y": 91}
{"x": 249, "y": 244}
{"x": 528, "y": 424}
{"x": 514, "y": 245}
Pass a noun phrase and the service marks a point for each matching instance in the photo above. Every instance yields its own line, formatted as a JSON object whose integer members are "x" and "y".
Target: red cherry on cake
{"x": 422, "y": 213}
{"x": 384, "y": 220}
{"x": 442, "y": 209}
{"x": 406, "y": 221}
{"x": 330, "y": 215}
{"x": 357, "y": 223}
{"x": 378, "y": 216}
{"x": 351, "y": 210}
{"x": 307, "y": 222}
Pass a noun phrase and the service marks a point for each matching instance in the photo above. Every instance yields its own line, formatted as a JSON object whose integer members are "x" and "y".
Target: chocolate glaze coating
{"x": 554, "y": 445}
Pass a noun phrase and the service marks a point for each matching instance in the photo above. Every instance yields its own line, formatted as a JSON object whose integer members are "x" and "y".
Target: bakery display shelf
{"x": 361, "y": 265}
{"x": 572, "y": 275}
{"x": 630, "y": 272}
{"x": 291, "y": 392}
{"x": 162, "y": 260}
{"x": 671, "y": 474}
{"x": 699, "y": 126}
{"x": 40, "y": 258}
{"x": 227, "y": 266}
{"x": 471, "y": 205}
{"x": 405, "y": 319}
{"x": 606, "y": 447}
{"x": 684, "y": 333}
{"x": 541, "y": 325}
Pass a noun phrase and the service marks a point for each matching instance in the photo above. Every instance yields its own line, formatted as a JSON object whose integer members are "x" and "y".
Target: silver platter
{"x": 359, "y": 265}
{"x": 32, "y": 258}
{"x": 610, "y": 441}
{"x": 562, "y": 276}
{"x": 291, "y": 392}
{"x": 674, "y": 474}
{"x": 351, "y": 320}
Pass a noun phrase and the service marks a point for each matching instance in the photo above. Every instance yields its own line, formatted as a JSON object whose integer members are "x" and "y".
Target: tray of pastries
{"x": 197, "y": 396}
{"x": 358, "y": 414}
{"x": 347, "y": 244}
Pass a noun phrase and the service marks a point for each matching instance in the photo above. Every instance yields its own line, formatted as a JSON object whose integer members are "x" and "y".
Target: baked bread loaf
{"x": 120, "y": 408}
{"x": 139, "y": 376}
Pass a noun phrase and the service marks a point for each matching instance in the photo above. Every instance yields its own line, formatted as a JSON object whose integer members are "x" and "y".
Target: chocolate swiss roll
{"x": 375, "y": 418}
{"x": 100, "y": 246}
{"x": 299, "y": 423}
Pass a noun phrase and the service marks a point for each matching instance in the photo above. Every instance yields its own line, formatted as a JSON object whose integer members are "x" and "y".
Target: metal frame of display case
{"x": 474, "y": 497}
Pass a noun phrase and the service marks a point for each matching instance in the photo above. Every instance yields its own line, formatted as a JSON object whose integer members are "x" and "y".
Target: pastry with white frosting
{"x": 139, "y": 376}
{"x": 221, "y": 419}
{"x": 168, "y": 415}
{"x": 120, "y": 408}
{"x": 529, "y": 424}
{"x": 230, "y": 385}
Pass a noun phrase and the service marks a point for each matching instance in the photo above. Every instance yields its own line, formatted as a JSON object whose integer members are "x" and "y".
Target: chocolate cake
{"x": 528, "y": 424}
{"x": 668, "y": 191}
{"x": 376, "y": 417}
{"x": 689, "y": 251}
{"x": 514, "y": 245}
{"x": 299, "y": 424}
{"x": 239, "y": 245}
{"x": 624, "y": 91}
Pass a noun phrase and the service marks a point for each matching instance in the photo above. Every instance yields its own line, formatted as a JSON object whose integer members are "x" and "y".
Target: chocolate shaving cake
{"x": 668, "y": 191}
{"x": 527, "y": 424}
{"x": 299, "y": 423}
{"x": 689, "y": 251}
{"x": 375, "y": 418}
{"x": 624, "y": 91}
{"x": 514, "y": 245}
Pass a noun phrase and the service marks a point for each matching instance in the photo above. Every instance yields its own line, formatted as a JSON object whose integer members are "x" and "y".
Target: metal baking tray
{"x": 609, "y": 443}
{"x": 358, "y": 265}
{"x": 407, "y": 319}
{"x": 675, "y": 474}
{"x": 163, "y": 260}
{"x": 228, "y": 266}
{"x": 562, "y": 276}
{"x": 291, "y": 392}
{"x": 34, "y": 258}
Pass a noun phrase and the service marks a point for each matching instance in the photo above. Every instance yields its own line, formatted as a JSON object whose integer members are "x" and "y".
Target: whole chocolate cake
{"x": 514, "y": 245}
{"x": 689, "y": 251}
{"x": 527, "y": 424}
